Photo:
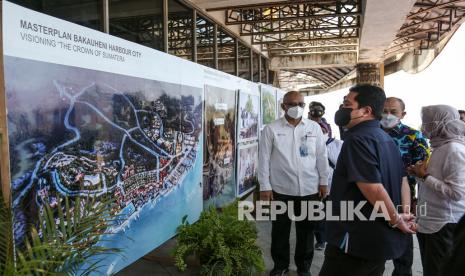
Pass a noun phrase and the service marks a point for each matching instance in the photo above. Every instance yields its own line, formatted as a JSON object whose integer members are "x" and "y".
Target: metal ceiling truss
{"x": 205, "y": 32}
{"x": 180, "y": 34}
{"x": 427, "y": 24}
{"x": 330, "y": 75}
{"x": 226, "y": 45}
{"x": 312, "y": 47}
{"x": 297, "y": 21}
{"x": 289, "y": 80}
{"x": 180, "y": 38}
{"x": 315, "y": 79}
{"x": 146, "y": 30}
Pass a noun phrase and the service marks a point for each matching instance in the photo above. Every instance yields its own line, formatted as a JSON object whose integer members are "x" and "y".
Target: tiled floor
{"x": 159, "y": 262}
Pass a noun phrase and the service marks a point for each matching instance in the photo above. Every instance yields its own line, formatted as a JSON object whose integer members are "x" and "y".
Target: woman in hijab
{"x": 441, "y": 186}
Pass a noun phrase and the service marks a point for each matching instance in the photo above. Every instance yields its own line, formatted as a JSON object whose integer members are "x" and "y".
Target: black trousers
{"x": 403, "y": 264}
{"x": 320, "y": 231}
{"x": 320, "y": 226}
{"x": 436, "y": 248}
{"x": 280, "y": 232}
{"x": 338, "y": 263}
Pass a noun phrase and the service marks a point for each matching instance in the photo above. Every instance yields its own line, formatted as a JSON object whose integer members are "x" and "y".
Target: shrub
{"x": 222, "y": 243}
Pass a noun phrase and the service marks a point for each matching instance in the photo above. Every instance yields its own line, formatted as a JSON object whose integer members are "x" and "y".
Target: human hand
{"x": 266, "y": 195}
{"x": 410, "y": 220}
{"x": 322, "y": 191}
{"x": 407, "y": 217}
{"x": 406, "y": 223}
{"x": 414, "y": 226}
{"x": 419, "y": 169}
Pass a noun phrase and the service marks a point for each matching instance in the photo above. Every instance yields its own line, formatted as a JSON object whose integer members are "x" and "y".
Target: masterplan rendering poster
{"x": 90, "y": 115}
{"x": 248, "y": 116}
{"x": 247, "y": 165}
{"x": 268, "y": 96}
{"x": 219, "y": 150}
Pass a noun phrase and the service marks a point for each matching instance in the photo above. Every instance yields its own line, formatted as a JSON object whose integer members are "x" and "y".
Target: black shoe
{"x": 304, "y": 273}
{"x": 279, "y": 272}
{"x": 320, "y": 246}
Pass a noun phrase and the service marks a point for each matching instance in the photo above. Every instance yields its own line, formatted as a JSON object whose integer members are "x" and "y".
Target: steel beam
{"x": 165, "y": 26}
{"x": 313, "y": 61}
{"x": 194, "y": 35}
{"x": 251, "y": 63}
{"x": 215, "y": 46}
{"x": 300, "y": 30}
{"x": 291, "y": 18}
{"x": 274, "y": 4}
{"x": 300, "y": 40}
{"x": 106, "y": 16}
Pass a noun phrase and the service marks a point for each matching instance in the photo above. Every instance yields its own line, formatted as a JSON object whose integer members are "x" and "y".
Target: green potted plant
{"x": 63, "y": 242}
{"x": 223, "y": 244}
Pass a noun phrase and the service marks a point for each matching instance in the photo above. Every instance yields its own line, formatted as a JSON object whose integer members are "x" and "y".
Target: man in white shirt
{"x": 292, "y": 168}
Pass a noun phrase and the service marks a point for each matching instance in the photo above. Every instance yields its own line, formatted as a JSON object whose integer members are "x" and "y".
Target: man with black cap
{"x": 316, "y": 112}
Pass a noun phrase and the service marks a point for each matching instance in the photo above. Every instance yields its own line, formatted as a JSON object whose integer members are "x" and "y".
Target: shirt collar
{"x": 397, "y": 129}
{"x": 303, "y": 121}
{"x": 366, "y": 124}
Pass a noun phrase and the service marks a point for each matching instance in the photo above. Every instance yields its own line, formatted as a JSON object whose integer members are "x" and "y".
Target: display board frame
{"x": 255, "y": 100}
{"x": 241, "y": 149}
{"x": 77, "y": 81}
{"x": 268, "y": 102}
{"x": 4, "y": 149}
{"x": 214, "y": 193}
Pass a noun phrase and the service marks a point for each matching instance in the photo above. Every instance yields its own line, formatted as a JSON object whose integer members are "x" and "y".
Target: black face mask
{"x": 342, "y": 116}
{"x": 317, "y": 113}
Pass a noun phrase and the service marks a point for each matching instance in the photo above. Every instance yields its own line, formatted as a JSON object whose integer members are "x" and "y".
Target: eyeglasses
{"x": 295, "y": 104}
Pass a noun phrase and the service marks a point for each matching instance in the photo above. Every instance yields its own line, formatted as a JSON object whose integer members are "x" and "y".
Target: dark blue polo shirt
{"x": 367, "y": 155}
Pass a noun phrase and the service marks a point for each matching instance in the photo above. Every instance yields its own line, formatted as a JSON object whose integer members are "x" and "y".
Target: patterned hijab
{"x": 442, "y": 125}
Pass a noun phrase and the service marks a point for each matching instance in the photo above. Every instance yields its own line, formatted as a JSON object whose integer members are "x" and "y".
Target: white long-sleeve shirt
{"x": 292, "y": 160}
{"x": 334, "y": 148}
{"x": 443, "y": 192}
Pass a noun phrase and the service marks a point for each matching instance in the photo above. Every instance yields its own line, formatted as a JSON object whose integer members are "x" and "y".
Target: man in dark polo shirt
{"x": 369, "y": 170}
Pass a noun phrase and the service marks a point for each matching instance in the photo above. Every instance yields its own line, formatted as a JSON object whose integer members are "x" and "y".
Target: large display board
{"x": 247, "y": 156}
{"x": 248, "y": 132}
{"x": 280, "y": 97}
{"x": 89, "y": 116}
{"x": 219, "y": 150}
{"x": 268, "y": 104}
{"x": 248, "y": 115}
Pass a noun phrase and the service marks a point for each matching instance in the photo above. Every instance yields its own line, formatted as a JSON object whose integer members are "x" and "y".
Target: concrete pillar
{"x": 371, "y": 73}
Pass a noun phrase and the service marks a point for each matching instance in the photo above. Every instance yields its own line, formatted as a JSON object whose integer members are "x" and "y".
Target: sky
{"x": 440, "y": 83}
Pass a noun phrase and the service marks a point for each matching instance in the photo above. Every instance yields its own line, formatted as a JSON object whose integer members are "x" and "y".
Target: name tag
{"x": 218, "y": 121}
{"x": 221, "y": 106}
{"x": 309, "y": 134}
{"x": 303, "y": 150}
